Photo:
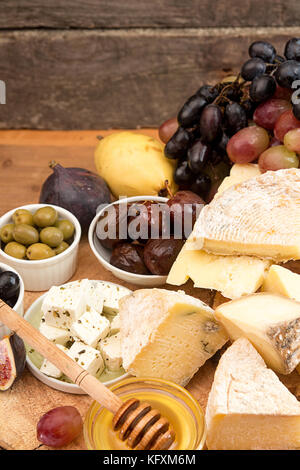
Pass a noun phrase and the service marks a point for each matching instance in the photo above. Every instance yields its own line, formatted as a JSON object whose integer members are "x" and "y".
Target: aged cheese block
{"x": 239, "y": 172}
{"x": 167, "y": 334}
{"x": 282, "y": 281}
{"x": 248, "y": 407}
{"x": 259, "y": 217}
{"x": 271, "y": 322}
{"x": 233, "y": 276}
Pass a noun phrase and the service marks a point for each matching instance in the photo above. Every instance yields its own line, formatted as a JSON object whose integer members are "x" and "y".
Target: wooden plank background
{"x": 109, "y": 63}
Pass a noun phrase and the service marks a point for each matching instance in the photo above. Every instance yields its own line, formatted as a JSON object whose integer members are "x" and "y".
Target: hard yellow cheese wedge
{"x": 233, "y": 276}
{"x": 259, "y": 217}
{"x": 167, "y": 335}
{"x": 248, "y": 407}
{"x": 239, "y": 172}
{"x": 271, "y": 322}
{"x": 282, "y": 281}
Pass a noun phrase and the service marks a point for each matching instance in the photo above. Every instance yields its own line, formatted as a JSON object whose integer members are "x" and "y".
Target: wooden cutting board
{"x": 24, "y": 157}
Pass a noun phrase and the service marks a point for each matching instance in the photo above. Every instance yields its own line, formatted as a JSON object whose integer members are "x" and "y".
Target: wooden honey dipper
{"x": 142, "y": 426}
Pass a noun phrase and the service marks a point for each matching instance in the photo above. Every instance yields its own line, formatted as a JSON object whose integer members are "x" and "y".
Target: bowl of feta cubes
{"x": 81, "y": 318}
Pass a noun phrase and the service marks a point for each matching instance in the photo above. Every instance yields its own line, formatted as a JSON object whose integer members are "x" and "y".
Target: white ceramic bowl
{"x": 103, "y": 254}
{"x": 40, "y": 275}
{"x": 19, "y": 306}
{"x": 33, "y": 315}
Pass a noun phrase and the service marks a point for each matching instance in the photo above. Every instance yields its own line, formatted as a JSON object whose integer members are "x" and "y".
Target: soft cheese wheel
{"x": 259, "y": 217}
{"x": 167, "y": 335}
{"x": 271, "y": 322}
{"x": 248, "y": 407}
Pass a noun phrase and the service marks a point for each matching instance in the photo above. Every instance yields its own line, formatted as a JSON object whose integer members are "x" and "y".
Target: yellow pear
{"x": 134, "y": 164}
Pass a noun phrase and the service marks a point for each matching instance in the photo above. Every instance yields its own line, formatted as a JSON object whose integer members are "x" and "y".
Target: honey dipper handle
{"x": 70, "y": 368}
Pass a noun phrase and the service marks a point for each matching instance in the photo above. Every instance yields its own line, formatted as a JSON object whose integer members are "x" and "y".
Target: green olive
{"x": 6, "y": 233}
{"x": 22, "y": 216}
{"x": 66, "y": 227}
{"x": 45, "y": 216}
{"x": 16, "y": 250}
{"x": 51, "y": 236}
{"x": 61, "y": 247}
{"x": 39, "y": 251}
{"x": 25, "y": 234}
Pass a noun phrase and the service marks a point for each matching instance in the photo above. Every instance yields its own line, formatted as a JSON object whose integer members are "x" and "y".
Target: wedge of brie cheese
{"x": 167, "y": 334}
{"x": 259, "y": 217}
{"x": 282, "y": 281}
{"x": 239, "y": 172}
{"x": 271, "y": 322}
{"x": 248, "y": 407}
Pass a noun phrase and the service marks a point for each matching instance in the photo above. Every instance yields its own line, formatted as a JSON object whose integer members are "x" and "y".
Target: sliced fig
{"x": 12, "y": 360}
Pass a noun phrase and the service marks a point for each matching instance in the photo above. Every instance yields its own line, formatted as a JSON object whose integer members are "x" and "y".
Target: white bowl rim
{"x": 61, "y": 211}
{"x": 69, "y": 387}
{"x": 105, "y": 263}
{"x": 22, "y": 290}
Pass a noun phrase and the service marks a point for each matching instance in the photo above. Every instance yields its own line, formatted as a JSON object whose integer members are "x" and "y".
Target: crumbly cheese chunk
{"x": 248, "y": 407}
{"x": 94, "y": 296}
{"x": 87, "y": 357}
{"x": 65, "y": 304}
{"x": 50, "y": 369}
{"x": 111, "y": 352}
{"x": 115, "y": 325}
{"x": 91, "y": 327}
{"x": 282, "y": 281}
{"x": 112, "y": 295}
{"x": 57, "y": 335}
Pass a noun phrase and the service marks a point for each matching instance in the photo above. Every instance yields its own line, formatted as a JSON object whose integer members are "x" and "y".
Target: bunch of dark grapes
{"x": 198, "y": 138}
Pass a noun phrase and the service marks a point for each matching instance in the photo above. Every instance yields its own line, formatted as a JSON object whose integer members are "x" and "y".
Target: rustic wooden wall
{"x": 124, "y": 63}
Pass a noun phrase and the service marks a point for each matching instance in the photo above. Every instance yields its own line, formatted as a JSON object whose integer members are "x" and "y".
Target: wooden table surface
{"x": 24, "y": 157}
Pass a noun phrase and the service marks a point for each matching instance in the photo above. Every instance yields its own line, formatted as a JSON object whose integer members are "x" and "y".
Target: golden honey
{"x": 174, "y": 402}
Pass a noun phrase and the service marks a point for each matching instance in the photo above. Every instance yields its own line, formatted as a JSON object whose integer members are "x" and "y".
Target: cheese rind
{"x": 248, "y": 407}
{"x": 272, "y": 324}
{"x": 282, "y": 281}
{"x": 233, "y": 276}
{"x": 259, "y": 217}
{"x": 167, "y": 334}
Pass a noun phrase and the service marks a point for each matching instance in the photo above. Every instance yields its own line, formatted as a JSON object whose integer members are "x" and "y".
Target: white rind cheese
{"x": 272, "y": 324}
{"x": 248, "y": 407}
{"x": 259, "y": 217}
{"x": 167, "y": 334}
{"x": 233, "y": 276}
{"x": 239, "y": 172}
{"x": 282, "y": 281}
{"x": 91, "y": 327}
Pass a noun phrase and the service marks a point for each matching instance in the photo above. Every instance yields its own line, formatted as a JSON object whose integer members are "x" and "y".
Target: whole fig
{"x": 78, "y": 190}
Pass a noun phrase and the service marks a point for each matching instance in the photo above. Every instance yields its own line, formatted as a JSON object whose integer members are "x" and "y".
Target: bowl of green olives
{"x": 41, "y": 242}
{"x": 11, "y": 292}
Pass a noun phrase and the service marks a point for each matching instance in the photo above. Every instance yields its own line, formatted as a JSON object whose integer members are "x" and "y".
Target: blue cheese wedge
{"x": 115, "y": 325}
{"x": 63, "y": 305}
{"x": 112, "y": 294}
{"x": 50, "y": 369}
{"x": 54, "y": 334}
{"x": 91, "y": 327}
{"x": 111, "y": 352}
{"x": 87, "y": 357}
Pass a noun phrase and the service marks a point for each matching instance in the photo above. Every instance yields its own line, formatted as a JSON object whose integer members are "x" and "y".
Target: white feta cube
{"x": 65, "y": 304}
{"x": 87, "y": 357}
{"x": 112, "y": 295}
{"x": 50, "y": 369}
{"x": 91, "y": 327}
{"x": 115, "y": 325}
{"x": 111, "y": 352}
{"x": 54, "y": 334}
{"x": 94, "y": 296}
